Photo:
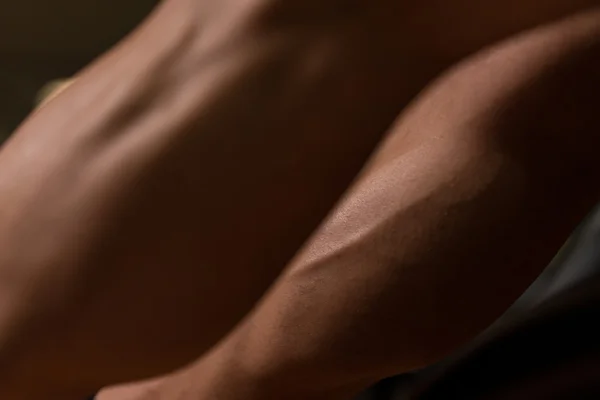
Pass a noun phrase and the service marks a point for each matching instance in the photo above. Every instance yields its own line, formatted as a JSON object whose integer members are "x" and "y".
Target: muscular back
{"x": 473, "y": 192}
{"x": 216, "y": 125}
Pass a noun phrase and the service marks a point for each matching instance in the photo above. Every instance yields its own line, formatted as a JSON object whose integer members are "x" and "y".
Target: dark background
{"x": 41, "y": 40}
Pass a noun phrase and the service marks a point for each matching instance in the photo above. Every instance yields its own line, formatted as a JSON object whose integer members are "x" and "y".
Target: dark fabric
{"x": 553, "y": 354}
{"x": 579, "y": 260}
{"x": 577, "y": 266}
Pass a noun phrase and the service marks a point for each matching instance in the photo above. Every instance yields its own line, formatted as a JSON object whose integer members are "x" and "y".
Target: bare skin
{"x": 474, "y": 191}
{"x": 214, "y": 123}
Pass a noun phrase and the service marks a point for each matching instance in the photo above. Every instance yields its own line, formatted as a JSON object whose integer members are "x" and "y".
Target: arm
{"x": 173, "y": 146}
{"x": 479, "y": 185}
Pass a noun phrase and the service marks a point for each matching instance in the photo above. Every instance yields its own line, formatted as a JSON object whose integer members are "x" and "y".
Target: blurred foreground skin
{"x": 51, "y": 90}
{"x": 471, "y": 195}
{"x": 172, "y": 182}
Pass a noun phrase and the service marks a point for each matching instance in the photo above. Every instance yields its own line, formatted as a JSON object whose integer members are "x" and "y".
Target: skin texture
{"x": 214, "y": 123}
{"x": 478, "y": 185}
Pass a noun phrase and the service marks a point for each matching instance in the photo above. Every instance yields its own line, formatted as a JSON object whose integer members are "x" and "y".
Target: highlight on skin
{"x": 51, "y": 90}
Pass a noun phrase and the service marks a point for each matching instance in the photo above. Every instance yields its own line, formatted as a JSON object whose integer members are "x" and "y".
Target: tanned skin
{"x": 213, "y": 127}
{"x": 475, "y": 189}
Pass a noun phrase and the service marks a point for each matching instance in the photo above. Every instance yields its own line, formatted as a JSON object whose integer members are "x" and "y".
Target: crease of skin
{"x": 345, "y": 228}
{"x": 278, "y": 343}
{"x": 363, "y": 212}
